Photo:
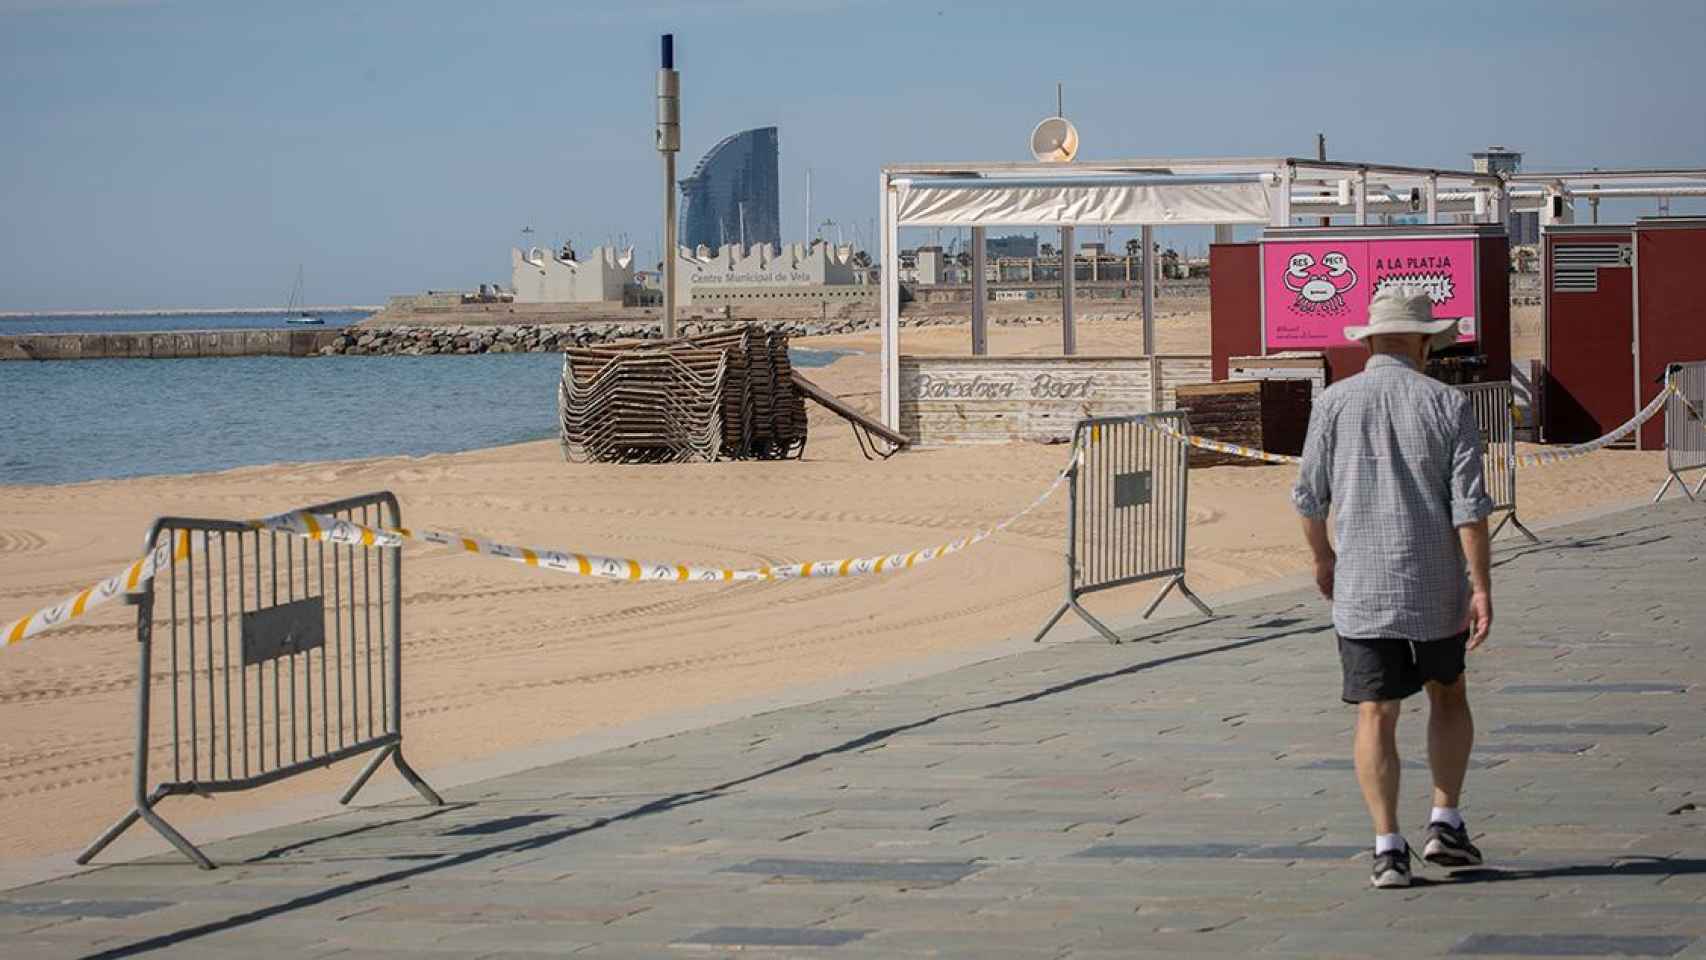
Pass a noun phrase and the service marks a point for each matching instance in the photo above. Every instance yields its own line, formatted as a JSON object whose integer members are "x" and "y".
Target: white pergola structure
{"x": 1143, "y": 193}
{"x": 1553, "y": 195}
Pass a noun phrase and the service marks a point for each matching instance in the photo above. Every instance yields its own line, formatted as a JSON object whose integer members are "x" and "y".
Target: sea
{"x": 69, "y": 421}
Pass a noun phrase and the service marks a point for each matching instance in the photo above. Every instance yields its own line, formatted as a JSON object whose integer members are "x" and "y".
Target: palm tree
{"x": 1132, "y": 247}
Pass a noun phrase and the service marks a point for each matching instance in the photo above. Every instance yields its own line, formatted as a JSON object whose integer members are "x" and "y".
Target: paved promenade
{"x": 1185, "y": 796}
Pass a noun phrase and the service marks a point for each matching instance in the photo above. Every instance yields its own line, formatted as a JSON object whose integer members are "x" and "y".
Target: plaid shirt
{"x": 1397, "y": 455}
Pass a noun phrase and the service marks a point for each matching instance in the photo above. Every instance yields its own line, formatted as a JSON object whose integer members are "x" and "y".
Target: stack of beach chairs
{"x": 725, "y": 395}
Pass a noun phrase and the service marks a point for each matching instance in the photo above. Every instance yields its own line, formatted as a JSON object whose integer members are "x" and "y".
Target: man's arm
{"x": 1478, "y": 550}
{"x": 1315, "y": 534}
{"x": 1313, "y": 493}
{"x": 1470, "y": 506}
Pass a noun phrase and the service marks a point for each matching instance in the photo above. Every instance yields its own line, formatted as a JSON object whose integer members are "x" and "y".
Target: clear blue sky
{"x": 192, "y": 153}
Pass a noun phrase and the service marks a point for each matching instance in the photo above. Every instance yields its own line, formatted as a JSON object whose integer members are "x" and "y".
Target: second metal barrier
{"x": 1685, "y": 427}
{"x": 1495, "y": 415}
{"x": 1127, "y": 513}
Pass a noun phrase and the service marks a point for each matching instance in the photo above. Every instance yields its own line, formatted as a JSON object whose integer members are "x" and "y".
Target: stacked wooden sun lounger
{"x": 727, "y": 395}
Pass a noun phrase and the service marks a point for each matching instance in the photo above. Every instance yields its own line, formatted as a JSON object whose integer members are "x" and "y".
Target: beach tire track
{"x": 21, "y": 541}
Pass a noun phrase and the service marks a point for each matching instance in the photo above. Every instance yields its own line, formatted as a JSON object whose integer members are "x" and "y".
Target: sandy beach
{"x": 501, "y": 657}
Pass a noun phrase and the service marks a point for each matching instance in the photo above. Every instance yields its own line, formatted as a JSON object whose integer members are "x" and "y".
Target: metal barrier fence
{"x": 1685, "y": 427}
{"x": 1126, "y": 516}
{"x": 282, "y": 656}
{"x": 1495, "y": 414}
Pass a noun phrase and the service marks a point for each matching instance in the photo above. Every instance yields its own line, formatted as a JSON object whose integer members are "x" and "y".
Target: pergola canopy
{"x": 1101, "y": 200}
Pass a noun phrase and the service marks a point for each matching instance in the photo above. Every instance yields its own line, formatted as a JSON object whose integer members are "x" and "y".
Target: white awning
{"x": 1078, "y": 201}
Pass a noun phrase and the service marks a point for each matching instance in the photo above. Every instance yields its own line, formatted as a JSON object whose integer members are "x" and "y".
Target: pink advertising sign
{"x": 1313, "y": 289}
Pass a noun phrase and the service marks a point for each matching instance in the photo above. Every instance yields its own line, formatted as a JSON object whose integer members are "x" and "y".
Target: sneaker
{"x": 1392, "y": 868}
{"x": 1449, "y": 846}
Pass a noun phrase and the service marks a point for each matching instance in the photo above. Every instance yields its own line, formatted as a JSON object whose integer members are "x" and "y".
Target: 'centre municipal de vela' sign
{"x": 1313, "y": 289}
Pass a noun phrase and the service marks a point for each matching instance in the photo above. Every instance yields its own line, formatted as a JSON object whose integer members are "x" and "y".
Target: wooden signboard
{"x": 999, "y": 399}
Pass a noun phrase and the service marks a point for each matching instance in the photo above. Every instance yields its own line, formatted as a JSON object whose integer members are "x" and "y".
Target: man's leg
{"x": 1377, "y": 761}
{"x": 1451, "y": 737}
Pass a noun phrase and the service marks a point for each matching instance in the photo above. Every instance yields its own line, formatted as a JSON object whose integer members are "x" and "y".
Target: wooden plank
{"x": 999, "y": 399}
{"x": 830, "y": 402}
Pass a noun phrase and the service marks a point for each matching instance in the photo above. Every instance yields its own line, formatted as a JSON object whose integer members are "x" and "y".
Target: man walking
{"x": 1396, "y": 456}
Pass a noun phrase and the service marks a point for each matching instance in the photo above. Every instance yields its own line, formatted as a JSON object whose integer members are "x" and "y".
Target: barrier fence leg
{"x": 427, "y": 793}
{"x": 1677, "y": 479}
{"x": 1107, "y": 633}
{"x": 1193, "y": 598}
{"x": 367, "y": 771}
{"x": 1189, "y": 594}
{"x": 1665, "y": 487}
{"x": 1522, "y": 529}
{"x": 1053, "y": 619}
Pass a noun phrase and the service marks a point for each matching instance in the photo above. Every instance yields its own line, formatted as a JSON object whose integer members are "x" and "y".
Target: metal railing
{"x": 281, "y": 656}
{"x": 1495, "y": 414}
{"x": 1685, "y": 427}
{"x": 1127, "y": 512}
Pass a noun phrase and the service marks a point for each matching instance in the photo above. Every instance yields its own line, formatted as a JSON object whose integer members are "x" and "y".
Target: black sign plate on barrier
{"x": 278, "y": 631}
{"x": 1131, "y": 489}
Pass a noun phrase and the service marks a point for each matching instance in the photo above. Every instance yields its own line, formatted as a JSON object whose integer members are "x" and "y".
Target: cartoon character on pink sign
{"x": 1320, "y": 287}
{"x": 1314, "y": 288}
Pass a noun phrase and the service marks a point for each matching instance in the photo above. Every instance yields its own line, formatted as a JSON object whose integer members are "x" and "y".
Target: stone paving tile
{"x": 1184, "y": 796}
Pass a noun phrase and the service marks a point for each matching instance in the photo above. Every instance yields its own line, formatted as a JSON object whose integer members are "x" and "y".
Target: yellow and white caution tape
{"x": 1583, "y": 449}
{"x": 80, "y": 603}
{"x": 1526, "y": 460}
{"x": 320, "y": 527}
{"x": 1237, "y": 450}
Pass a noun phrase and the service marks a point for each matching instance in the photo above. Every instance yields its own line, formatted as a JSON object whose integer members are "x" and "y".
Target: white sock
{"x": 1447, "y": 815}
{"x": 1384, "y": 842}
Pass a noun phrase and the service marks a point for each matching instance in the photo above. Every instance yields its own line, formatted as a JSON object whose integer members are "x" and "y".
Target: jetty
{"x": 166, "y": 344}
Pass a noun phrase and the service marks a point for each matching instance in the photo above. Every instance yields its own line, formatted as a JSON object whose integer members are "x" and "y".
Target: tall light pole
{"x": 669, "y": 142}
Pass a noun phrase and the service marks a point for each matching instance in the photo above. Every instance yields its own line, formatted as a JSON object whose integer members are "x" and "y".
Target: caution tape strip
{"x": 313, "y": 526}
{"x": 1583, "y": 449}
{"x": 1525, "y": 460}
{"x": 76, "y": 605}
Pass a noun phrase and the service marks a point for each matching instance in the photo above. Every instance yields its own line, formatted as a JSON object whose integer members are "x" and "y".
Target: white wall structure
{"x": 541, "y": 276}
{"x": 762, "y": 265}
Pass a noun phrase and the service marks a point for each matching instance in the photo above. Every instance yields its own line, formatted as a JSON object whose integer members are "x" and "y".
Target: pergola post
{"x": 1430, "y": 196}
{"x": 890, "y": 294}
{"x": 1361, "y": 187}
{"x": 1147, "y": 237}
{"x": 979, "y": 294}
{"x": 1068, "y": 283}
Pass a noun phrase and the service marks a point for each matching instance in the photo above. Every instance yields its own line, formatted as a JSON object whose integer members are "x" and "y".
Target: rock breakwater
{"x": 548, "y": 338}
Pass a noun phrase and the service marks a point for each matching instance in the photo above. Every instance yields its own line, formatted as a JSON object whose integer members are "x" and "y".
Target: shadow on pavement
{"x": 664, "y": 804}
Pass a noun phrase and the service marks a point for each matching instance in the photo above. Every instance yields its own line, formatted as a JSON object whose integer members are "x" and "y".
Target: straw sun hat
{"x": 1405, "y": 309}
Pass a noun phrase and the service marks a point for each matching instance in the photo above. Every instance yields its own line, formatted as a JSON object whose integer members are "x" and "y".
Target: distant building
{"x": 1013, "y": 245}
{"x": 734, "y": 196}
{"x": 764, "y": 273}
{"x": 1522, "y": 227}
{"x": 539, "y": 276}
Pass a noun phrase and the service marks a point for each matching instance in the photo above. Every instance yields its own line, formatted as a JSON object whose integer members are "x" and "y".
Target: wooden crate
{"x": 1291, "y": 365}
{"x": 1271, "y": 415}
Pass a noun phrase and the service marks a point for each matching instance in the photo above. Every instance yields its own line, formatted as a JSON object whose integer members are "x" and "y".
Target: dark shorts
{"x": 1394, "y": 669}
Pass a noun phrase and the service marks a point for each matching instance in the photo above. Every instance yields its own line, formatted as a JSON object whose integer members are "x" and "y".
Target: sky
{"x": 187, "y": 153}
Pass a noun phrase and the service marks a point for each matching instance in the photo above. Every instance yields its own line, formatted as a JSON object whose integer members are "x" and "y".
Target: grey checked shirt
{"x": 1397, "y": 456}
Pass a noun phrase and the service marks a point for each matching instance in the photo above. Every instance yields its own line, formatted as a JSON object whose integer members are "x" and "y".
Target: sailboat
{"x": 296, "y": 311}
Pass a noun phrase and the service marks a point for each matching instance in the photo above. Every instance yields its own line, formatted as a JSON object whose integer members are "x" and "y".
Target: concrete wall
{"x": 177, "y": 343}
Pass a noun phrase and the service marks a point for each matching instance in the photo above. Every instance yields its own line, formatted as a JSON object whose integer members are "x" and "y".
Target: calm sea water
{"x": 71, "y": 420}
{"x": 150, "y": 322}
